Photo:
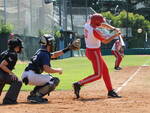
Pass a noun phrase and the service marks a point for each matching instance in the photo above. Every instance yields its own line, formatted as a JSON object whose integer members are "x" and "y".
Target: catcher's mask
{"x": 47, "y": 40}
{"x": 12, "y": 43}
{"x": 97, "y": 20}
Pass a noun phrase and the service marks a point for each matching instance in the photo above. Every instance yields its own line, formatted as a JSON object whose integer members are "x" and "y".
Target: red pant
{"x": 118, "y": 58}
{"x": 100, "y": 68}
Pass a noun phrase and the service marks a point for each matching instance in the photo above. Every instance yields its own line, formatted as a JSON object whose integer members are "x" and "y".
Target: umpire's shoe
{"x": 77, "y": 87}
{"x": 7, "y": 101}
{"x": 113, "y": 94}
{"x": 36, "y": 99}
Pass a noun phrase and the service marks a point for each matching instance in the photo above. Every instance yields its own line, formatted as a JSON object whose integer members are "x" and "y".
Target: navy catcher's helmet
{"x": 47, "y": 39}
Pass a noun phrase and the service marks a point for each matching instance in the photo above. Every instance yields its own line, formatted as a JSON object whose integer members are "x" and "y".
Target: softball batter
{"x": 93, "y": 39}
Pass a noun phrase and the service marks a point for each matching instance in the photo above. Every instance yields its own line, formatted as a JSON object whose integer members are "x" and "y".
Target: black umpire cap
{"x": 12, "y": 43}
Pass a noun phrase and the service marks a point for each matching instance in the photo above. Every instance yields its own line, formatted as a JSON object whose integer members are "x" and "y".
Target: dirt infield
{"x": 135, "y": 92}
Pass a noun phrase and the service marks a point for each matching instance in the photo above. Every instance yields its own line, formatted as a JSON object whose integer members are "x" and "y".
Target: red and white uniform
{"x": 93, "y": 39}
{"x": 116, "y": 51}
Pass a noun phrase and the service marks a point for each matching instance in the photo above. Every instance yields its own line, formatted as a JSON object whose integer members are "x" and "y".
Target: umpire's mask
{"x": 12, "y": 43}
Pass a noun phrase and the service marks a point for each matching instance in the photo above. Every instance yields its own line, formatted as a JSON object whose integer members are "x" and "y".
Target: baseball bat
{"x": 121, "y": 40}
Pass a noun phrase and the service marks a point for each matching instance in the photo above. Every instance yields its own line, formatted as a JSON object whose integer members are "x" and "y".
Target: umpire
{"x": 8, "y": 61}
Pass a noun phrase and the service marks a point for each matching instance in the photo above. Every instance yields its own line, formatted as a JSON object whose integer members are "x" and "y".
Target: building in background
{"x": 30, "y": 17}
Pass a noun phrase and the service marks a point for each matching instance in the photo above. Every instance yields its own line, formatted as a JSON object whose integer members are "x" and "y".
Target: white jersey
{"x": 113, "y": 47}
{"x": 116, "y": 46}
{"x": 90, "y": 40}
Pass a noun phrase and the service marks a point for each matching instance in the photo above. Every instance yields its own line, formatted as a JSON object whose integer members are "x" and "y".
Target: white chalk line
{"x": 131, "y": 77}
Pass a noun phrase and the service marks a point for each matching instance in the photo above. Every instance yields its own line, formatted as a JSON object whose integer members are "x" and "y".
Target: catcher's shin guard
{"x": 45, "y": 89}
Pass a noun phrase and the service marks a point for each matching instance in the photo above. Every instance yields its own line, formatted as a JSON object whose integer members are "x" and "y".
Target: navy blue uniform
{"x": 15, "y": 86}
{"x": 44, "y": 83}
{"x": 41, "y": 57}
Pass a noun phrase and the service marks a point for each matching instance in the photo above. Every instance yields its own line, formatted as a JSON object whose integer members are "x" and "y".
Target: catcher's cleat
{"x": 117, "y": 68}
{"x": 113, "y": 94}
{"x": 77, "y": 88}
{"x": 36, "y": 99}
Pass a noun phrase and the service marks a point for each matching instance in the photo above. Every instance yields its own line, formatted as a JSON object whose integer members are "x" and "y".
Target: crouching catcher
{"x": 40, "y": 62}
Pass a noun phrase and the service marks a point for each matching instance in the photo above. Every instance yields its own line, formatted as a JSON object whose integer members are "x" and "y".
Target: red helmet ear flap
{"x": 97, "y": 20}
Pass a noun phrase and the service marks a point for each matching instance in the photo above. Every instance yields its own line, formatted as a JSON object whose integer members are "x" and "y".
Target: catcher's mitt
{"x": 75, "y": 45}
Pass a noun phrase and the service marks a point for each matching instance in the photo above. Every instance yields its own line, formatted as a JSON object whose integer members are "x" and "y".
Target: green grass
{"x": 76, "y": 68}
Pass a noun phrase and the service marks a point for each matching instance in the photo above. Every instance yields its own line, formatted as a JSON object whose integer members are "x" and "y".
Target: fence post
{"x": 3, "y": 42}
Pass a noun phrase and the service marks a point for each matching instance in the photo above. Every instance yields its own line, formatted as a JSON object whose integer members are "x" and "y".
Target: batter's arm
{"x": 106, "y": 41}
{"x": 109, "y": 27}
{"x": 99, "y": 36}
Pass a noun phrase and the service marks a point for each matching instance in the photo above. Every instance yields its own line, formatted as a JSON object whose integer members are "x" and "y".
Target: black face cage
{"x": 14, "y": 43}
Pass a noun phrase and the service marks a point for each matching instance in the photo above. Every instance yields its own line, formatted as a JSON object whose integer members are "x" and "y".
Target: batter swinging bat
{"x": 121, "y": 40}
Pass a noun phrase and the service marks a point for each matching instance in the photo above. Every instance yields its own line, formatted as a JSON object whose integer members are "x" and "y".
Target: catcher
{"x": 40, "y": 62}
{"x": 118, "y": 51}
{"x": 8, "y": 61}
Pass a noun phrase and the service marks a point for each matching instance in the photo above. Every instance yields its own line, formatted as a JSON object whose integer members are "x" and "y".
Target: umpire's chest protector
{"x": 10, "y": 57}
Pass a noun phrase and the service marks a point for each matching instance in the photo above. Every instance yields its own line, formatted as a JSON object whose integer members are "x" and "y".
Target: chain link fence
{"x": 28, "y": 16}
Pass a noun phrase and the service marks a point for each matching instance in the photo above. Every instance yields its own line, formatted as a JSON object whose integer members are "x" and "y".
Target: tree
{"x": 135, "y": 21}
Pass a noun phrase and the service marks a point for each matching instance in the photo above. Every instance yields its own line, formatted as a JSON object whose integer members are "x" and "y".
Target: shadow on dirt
{"x": 89, "y": 99}
{"x": 23, "y": 103}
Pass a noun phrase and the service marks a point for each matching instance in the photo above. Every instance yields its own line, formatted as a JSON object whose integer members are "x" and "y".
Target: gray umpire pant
{"x": 13, "y": 91}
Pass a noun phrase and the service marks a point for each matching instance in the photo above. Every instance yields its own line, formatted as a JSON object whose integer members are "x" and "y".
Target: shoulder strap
{"x": 3, "y": 55}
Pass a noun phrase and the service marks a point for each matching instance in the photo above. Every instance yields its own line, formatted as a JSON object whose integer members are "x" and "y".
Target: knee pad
{"x": 45, "y": 89}
{"x": 55, "y": 81}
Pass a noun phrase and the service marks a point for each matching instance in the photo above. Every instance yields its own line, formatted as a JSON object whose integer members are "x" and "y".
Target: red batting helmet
{"x": 97, "y": 19}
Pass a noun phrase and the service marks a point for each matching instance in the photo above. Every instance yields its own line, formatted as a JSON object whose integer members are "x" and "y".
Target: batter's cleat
{"x": 36, "y": 99}
{"x": 117, "y": 68}
{"x": 113, "y": 94}
{"x": 77, "y": 87}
